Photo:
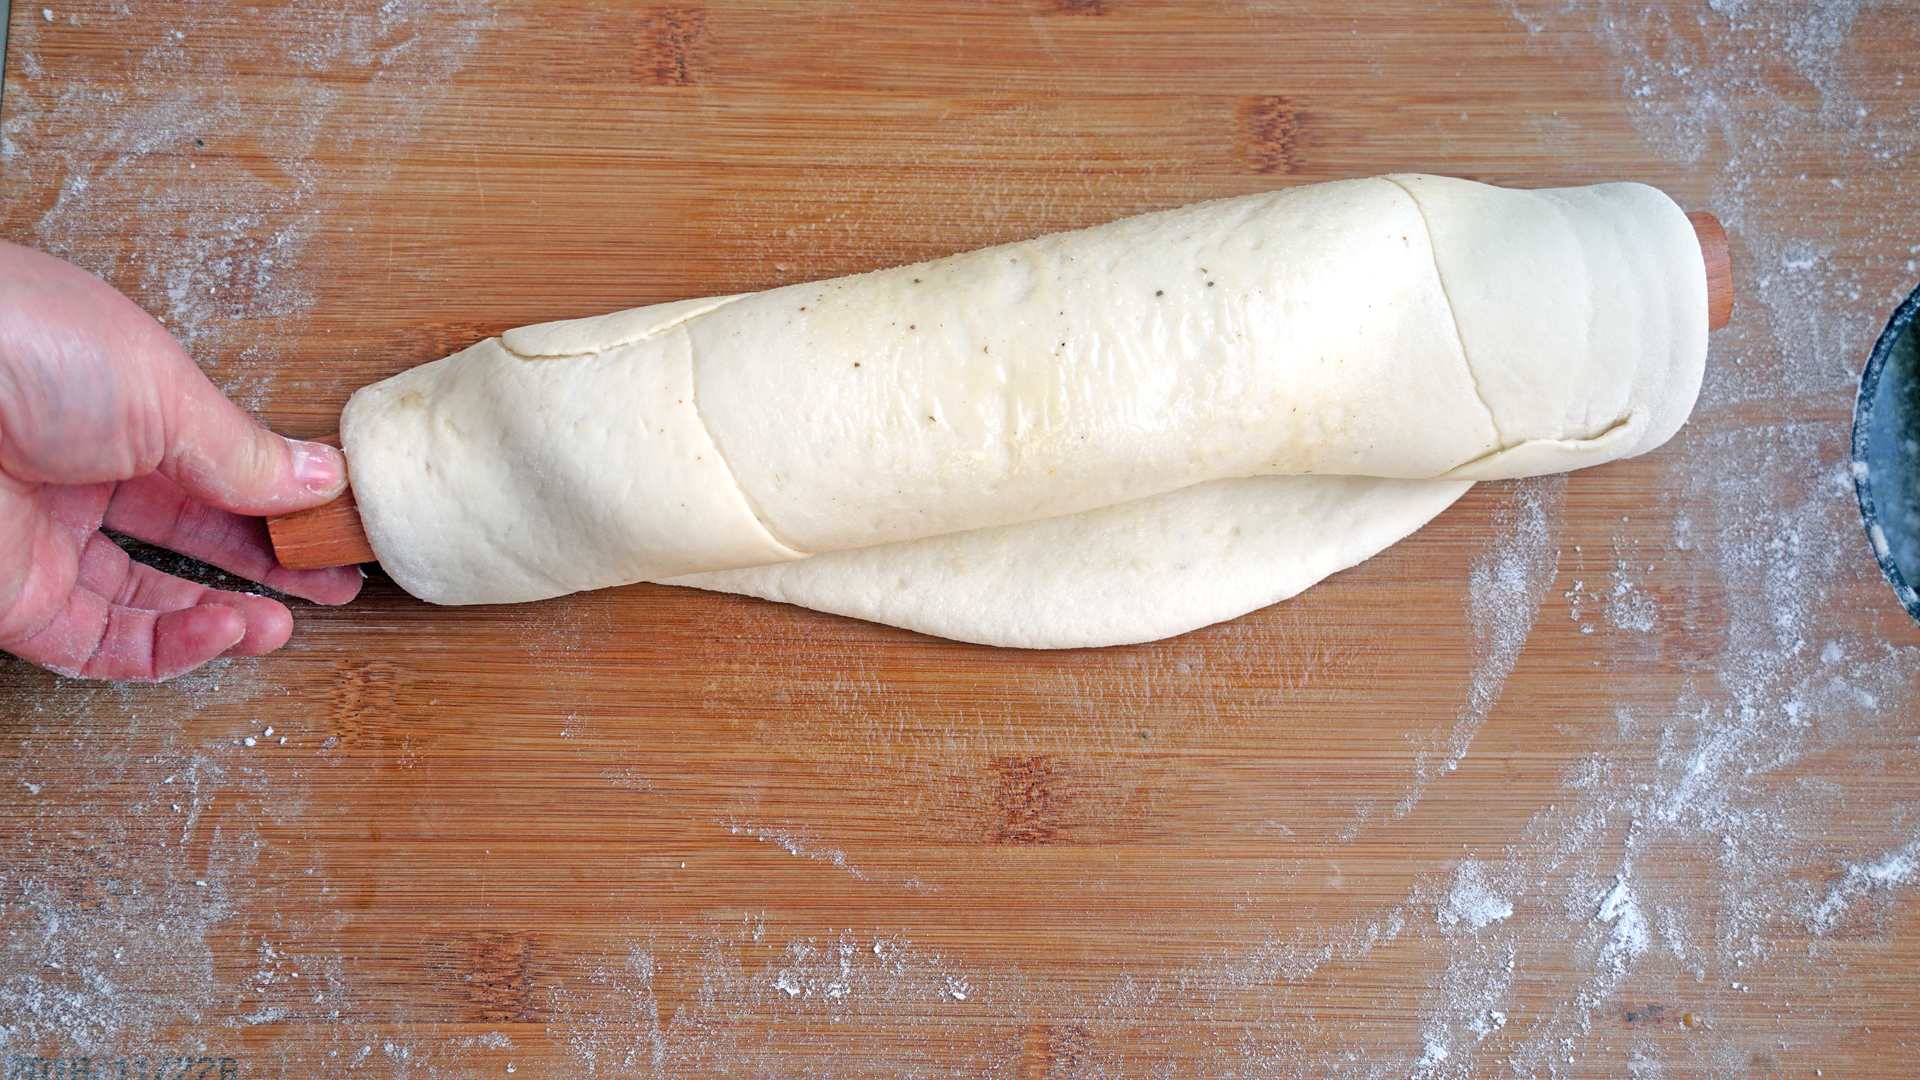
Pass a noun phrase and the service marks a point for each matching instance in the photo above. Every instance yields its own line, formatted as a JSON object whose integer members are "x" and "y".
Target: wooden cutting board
{"x": 1600, "y": 775}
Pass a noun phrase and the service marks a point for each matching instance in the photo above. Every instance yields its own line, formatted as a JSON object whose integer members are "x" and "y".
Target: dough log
{"x": 1109, "y": 435}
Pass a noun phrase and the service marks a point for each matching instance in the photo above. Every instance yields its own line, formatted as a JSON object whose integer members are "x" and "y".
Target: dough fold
{"x": 492, "y": 477}
{"x": 1256, "y": 392}
{"x": 1116, "y": 575}
{"x": 1581, "y": 312}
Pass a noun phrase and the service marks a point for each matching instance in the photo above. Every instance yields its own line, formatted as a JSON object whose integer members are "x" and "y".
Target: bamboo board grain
{"x": 1596, "y": 774}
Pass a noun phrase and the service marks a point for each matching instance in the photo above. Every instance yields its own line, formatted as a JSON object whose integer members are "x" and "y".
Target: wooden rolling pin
{"x": 331, "y": 535}
{"x": 327, "y": 535}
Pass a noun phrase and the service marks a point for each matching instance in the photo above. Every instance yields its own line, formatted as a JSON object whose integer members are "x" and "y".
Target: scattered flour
{"x": 1472, "y": 901}
{"x": 1894, "y": 869}
{"x": 223, "y": 260}
{"x": 124, "y": 882}
{"x": 1505, "y": 587}
{"x": 1628, "y": 605}
{"x": 1627, "y": 934}
{"x": 794, "y": 844}
{"x": 1690, "y": 849}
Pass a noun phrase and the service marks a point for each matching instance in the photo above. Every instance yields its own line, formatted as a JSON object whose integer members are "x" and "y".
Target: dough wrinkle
{"x": 1453, "y": 318}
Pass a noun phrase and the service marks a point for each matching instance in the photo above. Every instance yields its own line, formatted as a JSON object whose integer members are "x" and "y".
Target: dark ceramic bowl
{"x": 1886, "y": 451}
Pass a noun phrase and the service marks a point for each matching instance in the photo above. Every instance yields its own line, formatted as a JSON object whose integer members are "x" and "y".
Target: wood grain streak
{"x": 1029, "y": 800}
{"x": 1270, "y": 134}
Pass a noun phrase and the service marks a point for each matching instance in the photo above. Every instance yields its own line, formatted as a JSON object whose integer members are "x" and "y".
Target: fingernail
{"x": 318, "y": 467}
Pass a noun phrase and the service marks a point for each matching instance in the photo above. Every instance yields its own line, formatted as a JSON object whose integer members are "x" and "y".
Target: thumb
{"x": 223, "y": 456}
{"x": 93, "y": 389}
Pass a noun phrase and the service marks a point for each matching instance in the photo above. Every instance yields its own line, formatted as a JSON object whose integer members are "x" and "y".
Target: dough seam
{"x": 1453, "y": 320}
{"x": 693, "y": 394}
{"x": 621, "y": 343}
{"x": 726, "y": 462}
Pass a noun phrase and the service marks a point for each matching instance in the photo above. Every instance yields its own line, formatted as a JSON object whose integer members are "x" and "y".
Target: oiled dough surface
{"x": 1282, "y": 333}
{"x": 1408, "y": 328}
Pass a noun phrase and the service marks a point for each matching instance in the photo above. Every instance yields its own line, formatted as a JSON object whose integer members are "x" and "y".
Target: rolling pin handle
{"x": 322, "y": 536}
{"x": 1719, "y": 260}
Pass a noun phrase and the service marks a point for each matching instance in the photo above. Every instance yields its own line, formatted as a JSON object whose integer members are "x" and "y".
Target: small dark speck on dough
{"x": 1159, "y": 292}
{"x": 856, "y": 363}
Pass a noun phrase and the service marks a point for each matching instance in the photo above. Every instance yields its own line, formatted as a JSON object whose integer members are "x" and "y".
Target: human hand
{"x": 106, "y": 423}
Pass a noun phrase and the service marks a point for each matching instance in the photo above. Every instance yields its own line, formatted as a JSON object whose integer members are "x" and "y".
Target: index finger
{"x": 160, "y": 512}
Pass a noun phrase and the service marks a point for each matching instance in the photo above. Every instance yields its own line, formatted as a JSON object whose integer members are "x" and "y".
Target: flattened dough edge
{"x": 1139, "y": 571}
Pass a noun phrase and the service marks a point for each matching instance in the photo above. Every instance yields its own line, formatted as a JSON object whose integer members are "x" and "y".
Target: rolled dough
{"x": 1093, "y": 437}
